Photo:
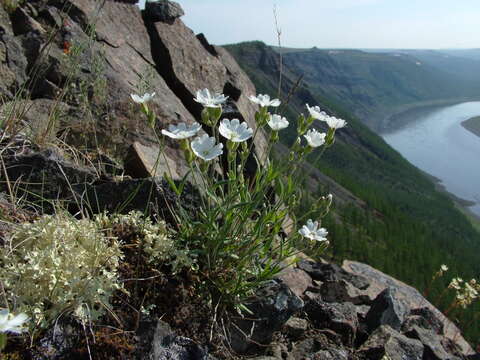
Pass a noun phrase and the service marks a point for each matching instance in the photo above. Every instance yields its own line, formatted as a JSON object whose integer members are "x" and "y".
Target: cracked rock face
{"x": 126, "y": 51}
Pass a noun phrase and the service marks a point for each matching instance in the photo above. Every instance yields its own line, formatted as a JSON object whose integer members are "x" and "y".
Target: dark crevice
{"x": 163, "y": 65}
{"x": 232, "y": 91}
{"x": 203, "y": 40}
{"x": 106, "y": 42}
{"x": 141, "y": 55}
{"x": 73, "y": 12}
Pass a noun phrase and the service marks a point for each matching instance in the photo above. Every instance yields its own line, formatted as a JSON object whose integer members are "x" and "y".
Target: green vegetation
{"x": 369, "y": 85}
{"x": 472, "y": 125}
{"x": 236, "y": 237}
{"x": 407, "y": 229}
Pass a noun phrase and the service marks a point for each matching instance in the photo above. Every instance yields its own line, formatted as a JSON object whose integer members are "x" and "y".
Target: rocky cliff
{"x": 312, "y": 311}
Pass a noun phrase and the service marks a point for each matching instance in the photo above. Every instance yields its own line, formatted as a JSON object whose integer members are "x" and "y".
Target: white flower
{"x": 11, "y": 323}
{"x": 335, "y": 123}
{"x": 312, "y": 232}
{"x": 204, "y": 147}
{"x": 207, "y": 99}
{"x": 314, "y": 138}
{"x": 142, "y": 99}
{"x": 264, "y": 100}
{"x": 234, "y": 131}
{"x": 277, "y": 122}
{"x": 444, "y": 268}
{"x": 182, "y": 130}
{"x": 316, "y": 113}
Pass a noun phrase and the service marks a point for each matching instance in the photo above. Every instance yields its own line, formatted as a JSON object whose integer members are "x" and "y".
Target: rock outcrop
{"x": 115, "y": 57}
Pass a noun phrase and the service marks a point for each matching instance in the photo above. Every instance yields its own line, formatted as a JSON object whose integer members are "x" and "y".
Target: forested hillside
{"x": 406, "y": 228}
{"x": 374, "y": 85}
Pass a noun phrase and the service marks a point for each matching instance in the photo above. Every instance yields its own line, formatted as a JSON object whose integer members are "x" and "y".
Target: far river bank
{"x": 402, "y": 115}
{"x": 473, "y": 125}
{"x": 433, "y": 138}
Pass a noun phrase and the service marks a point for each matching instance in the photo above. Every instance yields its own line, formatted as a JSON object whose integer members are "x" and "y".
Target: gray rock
{"x": 343, "y": 291}
{"x": 24, "y": 23}
{"x": 163, "y": 10}
{"x": 272, "y": 307}
{"x": 297, "y": 280}
{"x": 387, "y": 309}
{"x": 295, "y": 327}
{"x": 139, "y": 194}
{"x": 432, "y": 342}
{"x": 331, "y": 354}
{"x": 58, "y": 342}
{"x": 386, "y": 341}
{"x": 339, "y": 317}
{"x": 13, "y": 63}
{"x": 379, "y": 281}
{"x": 168, "y": 346}
{"x": 326, "y": 272}
{"x": 424, "y": 318}
{"x": 45, "y": 175}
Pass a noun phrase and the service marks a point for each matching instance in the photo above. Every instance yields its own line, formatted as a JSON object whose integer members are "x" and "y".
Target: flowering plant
{"x": 238, "y": 235}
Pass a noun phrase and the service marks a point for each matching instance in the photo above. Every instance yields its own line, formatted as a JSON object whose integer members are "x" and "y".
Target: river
{"x": 435, "y": 141}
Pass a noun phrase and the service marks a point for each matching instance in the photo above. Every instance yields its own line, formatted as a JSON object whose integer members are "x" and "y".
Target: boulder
{"x": 272, "y": 307}
{"x": 343, "y": 291}
{"x": 411, "y": 297}
{"x": 144, "y": 161}
{"x": 43, "y": 176}
{"x": 339, "y": 317}
{"x": 297, "y": 280}
{"x": 387, "y": 342}
{"x": 137, "y": 194}
{"x": 163, "y": 10}
{"x": 317, "y": 348}
{"x": 432, "y": 343}
{"x": 387, "y": 309}
{"x": 424, "y": 318}
{"x": 327, "y": 272}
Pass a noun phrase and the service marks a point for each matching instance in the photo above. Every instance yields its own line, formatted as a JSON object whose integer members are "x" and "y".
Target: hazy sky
{"x": 339, "y": 23}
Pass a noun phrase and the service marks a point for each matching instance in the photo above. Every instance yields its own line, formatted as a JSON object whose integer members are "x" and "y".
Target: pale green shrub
{"x": 153, "y": 239}
{"x": 59, "y": 265}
